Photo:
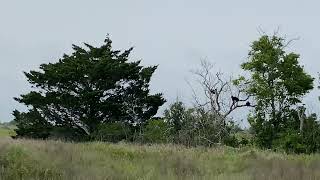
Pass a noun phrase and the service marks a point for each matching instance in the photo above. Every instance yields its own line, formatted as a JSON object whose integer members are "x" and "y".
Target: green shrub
{"x": 201, "y": 127}
{"x": 66, "y": 134}
{"x": 244, "y": 141}
{"x": 111, "y": 132}
{"x": 290, "y": 142}
{"x": 293, "y": 140}
{"x": 231, "y": 141}
{"x": 156, "y": 131}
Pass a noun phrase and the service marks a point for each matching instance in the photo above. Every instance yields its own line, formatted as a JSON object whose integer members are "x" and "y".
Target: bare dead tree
{"x": 221, "y": 96}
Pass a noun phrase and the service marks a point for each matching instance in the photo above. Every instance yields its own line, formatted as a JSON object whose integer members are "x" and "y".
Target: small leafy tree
{"x": 156, "y": 131}
{"x": 175, "y": 116}
{"x": 90, "y": 87}
{"x": 277, "y": 82}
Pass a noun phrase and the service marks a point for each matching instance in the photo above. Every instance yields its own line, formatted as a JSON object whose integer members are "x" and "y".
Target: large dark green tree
{"x": 90, "y": 87}
{"x": 277, "y": 82}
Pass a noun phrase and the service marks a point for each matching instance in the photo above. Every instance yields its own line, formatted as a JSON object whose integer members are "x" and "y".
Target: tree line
{"x": 96, "y": 93}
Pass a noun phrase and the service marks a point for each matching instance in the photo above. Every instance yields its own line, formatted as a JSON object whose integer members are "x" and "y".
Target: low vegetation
{"x": 41, "y": 160}
{"x": 7, "y": 130}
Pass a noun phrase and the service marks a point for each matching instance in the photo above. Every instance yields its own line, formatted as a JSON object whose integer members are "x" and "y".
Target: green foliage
{"x": 311, "y": 134}
{"x": 56, "y": 160}
{"x": 277, "y": 83}
{"x": 31, "y": 125}
{"x": 198, "y": 127}
{"x": 7, "y": 129}
{"x": 232, "y": 141}
{"x": 90, "y": 87}
{"x": 175, "y": 116}
{"x": 112, "y": 132}
{"x": 156, "y": 131}
{"x": 236, "y": 136}
{"x": 292, "y": 141}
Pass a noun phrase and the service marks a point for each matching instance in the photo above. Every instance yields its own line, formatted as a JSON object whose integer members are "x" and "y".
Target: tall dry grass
{"x": 41, "y": 160}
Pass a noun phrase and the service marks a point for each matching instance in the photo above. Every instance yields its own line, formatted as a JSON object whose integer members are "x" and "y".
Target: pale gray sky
{"x": 172, "y": 33}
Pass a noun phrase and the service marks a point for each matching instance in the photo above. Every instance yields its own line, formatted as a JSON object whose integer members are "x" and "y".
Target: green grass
{"x": 6, "y": 131}
{"x": 29, "y": 159}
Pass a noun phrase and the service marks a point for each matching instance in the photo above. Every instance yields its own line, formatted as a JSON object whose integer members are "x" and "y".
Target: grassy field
{"x": 6, "y": 131}
{"x": 41, "y": 160}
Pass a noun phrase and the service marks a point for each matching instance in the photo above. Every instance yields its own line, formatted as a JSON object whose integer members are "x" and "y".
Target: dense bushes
{"x": 191, "y": 127}
{"x": 180, "y": 125}
{"x": 111, "y": 132}
{"x": 157, "y": 131}
{"x": 292, "y": 138}
{"x": 197, "y": 127}
{"x": 306, "y": 141}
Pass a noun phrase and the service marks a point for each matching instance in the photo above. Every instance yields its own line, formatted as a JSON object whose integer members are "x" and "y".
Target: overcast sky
{"x": 175, "y": 34}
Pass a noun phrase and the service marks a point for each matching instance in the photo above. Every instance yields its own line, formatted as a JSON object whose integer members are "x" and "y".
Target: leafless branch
{"x": 218, "y": 91}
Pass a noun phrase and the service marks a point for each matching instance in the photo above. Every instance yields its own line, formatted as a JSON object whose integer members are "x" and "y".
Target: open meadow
{"x": 41, "y": 160}
{"x": 6, "y": 130}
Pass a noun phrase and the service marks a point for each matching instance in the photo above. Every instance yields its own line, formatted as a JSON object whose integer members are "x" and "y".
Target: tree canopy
{"x": 90, "y": 87}
{"x": 277, "y": 82}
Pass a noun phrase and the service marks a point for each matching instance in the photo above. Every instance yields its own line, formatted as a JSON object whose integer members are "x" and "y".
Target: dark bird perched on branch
{"x": 213, "y": 91}
{"x": 248, "y": 103}
{"x": 234, "y": 99}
